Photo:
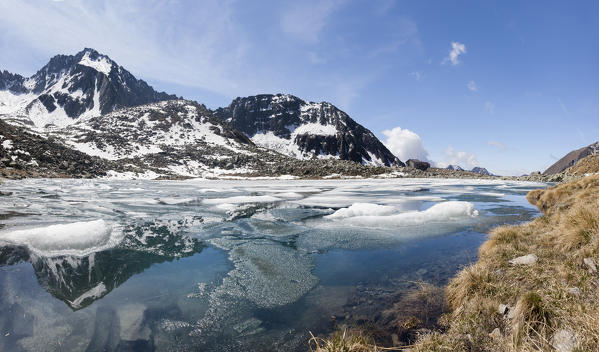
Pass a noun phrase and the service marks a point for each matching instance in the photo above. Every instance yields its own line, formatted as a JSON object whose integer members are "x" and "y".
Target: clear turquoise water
{"x": 222, "y": 265}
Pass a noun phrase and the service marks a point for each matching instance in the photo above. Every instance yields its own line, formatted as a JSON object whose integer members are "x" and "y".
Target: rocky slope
{"x": 27, "y": 154}
{"x": 305, "y": 130}
{"x": 572, "y": 158}
{"x": 586, "y": 165}
{"x": 177, "y": 137}
{"x": 86, "y": 84}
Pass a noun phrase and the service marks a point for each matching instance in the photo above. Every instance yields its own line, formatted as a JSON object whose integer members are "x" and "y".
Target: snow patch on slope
{"x": 101, "y": 64}
{"x": 315, "y": 129}
{"x": 270, "y": 141}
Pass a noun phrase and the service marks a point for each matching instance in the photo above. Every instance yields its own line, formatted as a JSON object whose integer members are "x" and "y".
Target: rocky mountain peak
{"x": 70, "y": 86}
{"x": 305, "y": 130}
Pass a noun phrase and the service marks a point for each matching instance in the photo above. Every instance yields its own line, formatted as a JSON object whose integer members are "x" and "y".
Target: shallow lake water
{"x": 88, "y": 265}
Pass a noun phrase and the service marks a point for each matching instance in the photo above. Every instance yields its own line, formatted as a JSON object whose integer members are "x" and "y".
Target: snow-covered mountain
{"x": 454, "y": 167}
{"x": 87, "y": 107}
{"x": 87, "y": 84}
{"x": 175, "y": 136}
{"x": 305, "y": 130}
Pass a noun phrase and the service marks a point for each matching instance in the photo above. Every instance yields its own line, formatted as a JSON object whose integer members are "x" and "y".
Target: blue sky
{"x": 520, "y": 90}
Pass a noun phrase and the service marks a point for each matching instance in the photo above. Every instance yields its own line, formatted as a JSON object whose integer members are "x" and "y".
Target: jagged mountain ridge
{"x": 305, "y": 130}
{"x": 86, "y": 84}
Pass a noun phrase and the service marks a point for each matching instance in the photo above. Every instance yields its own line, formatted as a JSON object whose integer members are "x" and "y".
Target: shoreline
{"x": 533, "y": 286}
{"x": 359, "y": 172}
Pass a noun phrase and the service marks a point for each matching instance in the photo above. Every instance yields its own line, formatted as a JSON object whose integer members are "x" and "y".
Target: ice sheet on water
{"x": 241, "y": 200}
{"x": 362, "y": 209}
{"x": 374, "y": 215}
{"x": 77, "y": 238}
{"x": 175, "y": 200}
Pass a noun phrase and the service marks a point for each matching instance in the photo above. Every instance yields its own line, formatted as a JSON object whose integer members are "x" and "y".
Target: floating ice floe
{"x": 374, "y": 215}
{"x": 78, "y": 238}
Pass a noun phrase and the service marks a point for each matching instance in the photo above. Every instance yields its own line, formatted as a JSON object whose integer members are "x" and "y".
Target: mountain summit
{"x": 305, "y": 130}
{"x": 69, "y": 87}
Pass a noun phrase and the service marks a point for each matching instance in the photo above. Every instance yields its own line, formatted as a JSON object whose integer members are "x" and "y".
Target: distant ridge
{"x": 572, "y": 158}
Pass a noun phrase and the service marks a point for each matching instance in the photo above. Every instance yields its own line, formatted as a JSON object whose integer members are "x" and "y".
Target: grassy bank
{"x": 534, "y": 287}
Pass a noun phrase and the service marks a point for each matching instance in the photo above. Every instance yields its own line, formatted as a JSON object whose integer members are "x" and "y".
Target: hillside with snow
{"x": 177, "y": 137}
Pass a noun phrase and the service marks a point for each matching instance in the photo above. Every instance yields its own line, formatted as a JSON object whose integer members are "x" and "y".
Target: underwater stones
{"x": 271, "y": 275}
{"x": 528, "y": 259}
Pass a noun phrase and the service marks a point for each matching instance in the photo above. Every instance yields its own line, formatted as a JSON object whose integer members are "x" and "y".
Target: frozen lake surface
{"x": 225, "y": 265}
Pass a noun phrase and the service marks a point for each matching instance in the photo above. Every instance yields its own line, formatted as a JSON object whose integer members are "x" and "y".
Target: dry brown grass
{"x": 558, "y": 292}
{"x": 347, "y": 341}
{"x": 587, "y": 165}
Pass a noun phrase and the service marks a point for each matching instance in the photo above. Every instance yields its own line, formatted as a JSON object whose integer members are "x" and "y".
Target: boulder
{"x": 528, "y": 259}
{"x": 591, "y": 264}
{"x": 417, "y": 164}
{"x": 564, "y": 341}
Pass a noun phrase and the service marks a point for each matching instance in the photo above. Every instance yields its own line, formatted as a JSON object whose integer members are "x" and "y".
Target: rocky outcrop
{"x": 417, "y": 164}
{"x": 171, "y": 137}
{"x": 586, "y": 165}
{"x": 25, "y": 154}
{"x": 572, "y": 158}
{"x": 305, "y": 130}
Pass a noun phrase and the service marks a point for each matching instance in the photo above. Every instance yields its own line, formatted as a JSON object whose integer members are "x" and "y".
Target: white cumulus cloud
{"x": 457, "y": 49}
{"x": 464, "y": 159}
{"x": 405, "y": 144}
{"x": 472, "y": 86}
